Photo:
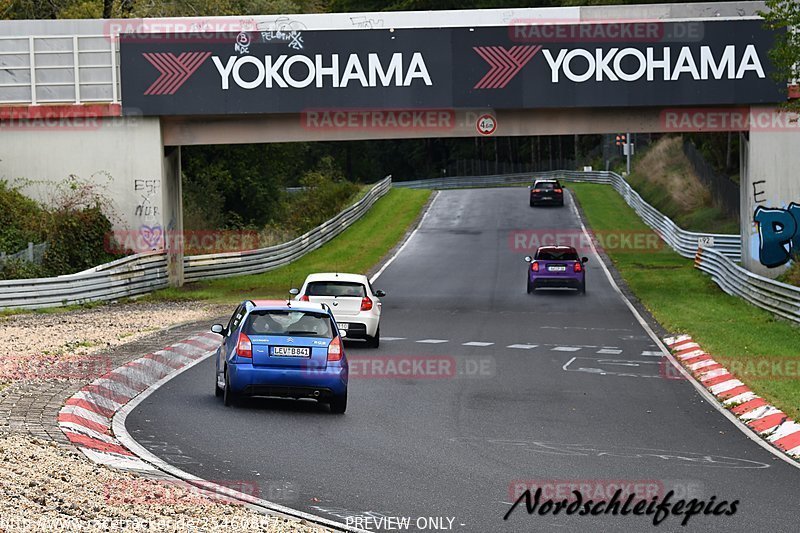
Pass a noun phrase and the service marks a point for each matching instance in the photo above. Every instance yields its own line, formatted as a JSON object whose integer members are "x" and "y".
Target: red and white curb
{"x": 86, "y": 418}
{"x": 769, "y": 422}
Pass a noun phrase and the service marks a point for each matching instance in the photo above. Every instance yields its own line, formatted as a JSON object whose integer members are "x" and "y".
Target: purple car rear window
{"x": 545, "y": 185}
{"x": 557, "y": 255}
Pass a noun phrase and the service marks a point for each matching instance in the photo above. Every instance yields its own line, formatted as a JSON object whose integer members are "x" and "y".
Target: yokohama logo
{"x": 505, "y": 64}
{"x": 175, "y": 70}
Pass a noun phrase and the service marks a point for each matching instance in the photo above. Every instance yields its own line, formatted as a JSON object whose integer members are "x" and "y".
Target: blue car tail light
{"x": 244, "y": 348}
{"x": 335, "y": 351}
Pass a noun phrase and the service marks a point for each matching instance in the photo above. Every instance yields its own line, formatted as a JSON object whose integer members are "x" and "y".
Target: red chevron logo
{"x": 505, "y": 64}
{"x": 175, "y": 70}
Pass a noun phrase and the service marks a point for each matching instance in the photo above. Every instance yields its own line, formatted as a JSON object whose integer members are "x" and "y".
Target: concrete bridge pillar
{"x": 173, "y": 214}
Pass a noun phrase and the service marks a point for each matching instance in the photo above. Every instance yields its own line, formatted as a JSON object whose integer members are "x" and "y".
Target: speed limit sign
{"x": 486, "y": 124}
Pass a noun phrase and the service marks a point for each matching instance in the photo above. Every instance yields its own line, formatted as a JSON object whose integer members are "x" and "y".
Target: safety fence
{"x": 715, "y": 254}
{"x": 143, "y": 273}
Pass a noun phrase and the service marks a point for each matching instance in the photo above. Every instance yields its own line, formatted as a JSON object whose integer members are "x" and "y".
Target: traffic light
{"x": 621, "y": 139}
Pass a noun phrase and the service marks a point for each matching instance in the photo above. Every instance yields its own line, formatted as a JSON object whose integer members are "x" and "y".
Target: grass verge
{"x": 357, "y": 249}
{"x": 755, "y": 346}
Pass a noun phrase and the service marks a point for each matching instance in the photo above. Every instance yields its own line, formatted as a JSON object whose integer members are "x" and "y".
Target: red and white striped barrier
{"x": 86, "y": 417}
{"x": 772, "y": 424}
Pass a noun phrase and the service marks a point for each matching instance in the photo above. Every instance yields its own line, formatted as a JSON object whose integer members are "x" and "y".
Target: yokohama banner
{"x": 520, "y": 66}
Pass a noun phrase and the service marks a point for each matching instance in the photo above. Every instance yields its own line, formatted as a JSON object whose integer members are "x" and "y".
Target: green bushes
{"x": 74, "y": 226}
{"x": 21, "y": 220}
{"x": 222, "y": 193}
{"x": 325, "y": 194}
{"x": 75, "y": 240}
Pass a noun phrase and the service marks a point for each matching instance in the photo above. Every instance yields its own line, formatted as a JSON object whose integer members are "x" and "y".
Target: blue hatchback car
{"x": 289, "y": 349}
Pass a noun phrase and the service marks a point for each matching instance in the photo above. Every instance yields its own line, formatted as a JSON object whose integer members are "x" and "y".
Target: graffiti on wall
{"x": 148, "y": 213}
{"x": 778, "y": 234}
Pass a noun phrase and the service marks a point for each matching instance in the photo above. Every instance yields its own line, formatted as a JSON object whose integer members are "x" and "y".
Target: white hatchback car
{"x": 356, "y": 307}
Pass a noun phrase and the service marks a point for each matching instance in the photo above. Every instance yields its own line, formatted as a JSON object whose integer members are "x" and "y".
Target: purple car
{"x": 557, "y": 266}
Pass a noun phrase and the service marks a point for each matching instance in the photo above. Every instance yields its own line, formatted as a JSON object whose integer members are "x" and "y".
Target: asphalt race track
{"x": 555, "y": 388}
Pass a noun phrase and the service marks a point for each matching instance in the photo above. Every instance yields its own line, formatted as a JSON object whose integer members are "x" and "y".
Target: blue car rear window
{"x": 289, "y": 323}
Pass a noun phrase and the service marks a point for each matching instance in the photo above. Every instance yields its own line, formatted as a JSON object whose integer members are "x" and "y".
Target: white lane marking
{"x": 432, "y": 341}
{"x": 475, "y": 343}
{"x": 652, "y": 353}
{"x": 402, "y": 247}
{"x": 709, "y": 396}
{"x": 613, "y": 371}
{"x": 523, "y": 346}
{"x": 393, "y": 338}
{"x": 609, "y": 351}
{"x": 565, "y": 349}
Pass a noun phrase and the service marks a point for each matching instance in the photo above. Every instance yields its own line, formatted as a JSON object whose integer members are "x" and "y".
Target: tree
{"x": 784, "y": 15}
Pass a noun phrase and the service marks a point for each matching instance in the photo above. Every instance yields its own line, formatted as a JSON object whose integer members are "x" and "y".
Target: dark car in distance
{"x": 556, "y": 267}
{"x": 546, "y": 192}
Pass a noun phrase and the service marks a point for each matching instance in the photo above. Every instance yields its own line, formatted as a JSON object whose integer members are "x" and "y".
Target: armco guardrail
{"x": 682, "y": 241}
{"x": 210, "y": 266}
{"x": 129, "y": 276}
{"x": 142, "y": 273}
{"x": 773, "y": 296}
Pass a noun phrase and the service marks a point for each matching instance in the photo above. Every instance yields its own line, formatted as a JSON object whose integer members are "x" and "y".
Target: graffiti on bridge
{"x": 778, "y": 234}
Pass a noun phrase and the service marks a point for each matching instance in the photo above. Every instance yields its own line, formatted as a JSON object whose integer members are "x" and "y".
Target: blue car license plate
{"x": 291, "y": 351}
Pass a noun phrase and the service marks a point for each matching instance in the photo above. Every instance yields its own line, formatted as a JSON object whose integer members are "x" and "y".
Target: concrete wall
{"x": 124, "y": 156}
{"x": 770, "y": 183}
